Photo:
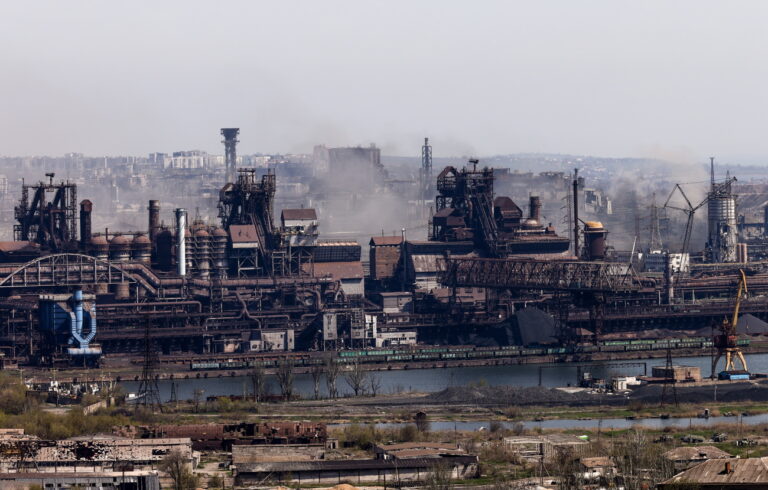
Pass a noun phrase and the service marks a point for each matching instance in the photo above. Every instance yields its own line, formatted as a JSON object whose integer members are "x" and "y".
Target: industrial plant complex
{"x": 248, "y": 282}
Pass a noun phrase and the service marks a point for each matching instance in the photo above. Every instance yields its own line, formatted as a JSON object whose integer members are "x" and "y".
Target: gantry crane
{"x": 726, "y": 341}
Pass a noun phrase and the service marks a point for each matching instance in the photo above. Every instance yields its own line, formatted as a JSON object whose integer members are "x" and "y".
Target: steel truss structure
{"x": 547, "y": 275}
{"x": 64, "y": 270}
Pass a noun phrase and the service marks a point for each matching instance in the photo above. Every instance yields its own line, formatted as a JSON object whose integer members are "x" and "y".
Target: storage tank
{"x": 594, "y": 240}
{"x": 120, "y": 248}
{"x": 722, "y": 228}
{"x": 141, "y": 248}
{"x": 219, "y": 252}
{"x": 99, "y": 247}
{"x": 202, "y": 252}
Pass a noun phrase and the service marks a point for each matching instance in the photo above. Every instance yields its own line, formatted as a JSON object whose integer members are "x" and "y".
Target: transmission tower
{"x": 669, "y": 379}
{"x": 149, "y": 394}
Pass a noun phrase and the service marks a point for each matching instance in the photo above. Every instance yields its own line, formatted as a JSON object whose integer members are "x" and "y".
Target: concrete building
{"x": 332, "y": 472}
{"x": 407, "y": 450}
{"x": 685, "y": 457}
{"x": 349, "y": 274}
{"x": 391, "y": 338}
{"x": 242, "y": 454}
{"x": 94, "y": 453}
{"x": 533, "y": 448}
{"x": 300, "y": 226}
{"x": 678, "y": 373}
{"x": 385, "y": 256}
{"x": 133, "y": 480}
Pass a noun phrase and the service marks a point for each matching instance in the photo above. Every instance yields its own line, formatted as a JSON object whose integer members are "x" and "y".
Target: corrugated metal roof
{"x": 299, "y": 214}
{"x": 339, "y": 270}
{"x": 22, "y": 246}
{"x": 417, "y": 445}
{"x": 350, "y": 464}
{"x": 691, "y": 453}
{"x": 243, "y": 234}
{"x": 386, "y": 240}
{"x": 425, "y": 262}
{"x": 752, "y": 471}
{"x": 337, "y": 244}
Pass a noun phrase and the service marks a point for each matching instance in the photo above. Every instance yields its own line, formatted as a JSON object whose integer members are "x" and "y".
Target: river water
{"x": 430, "y": 380}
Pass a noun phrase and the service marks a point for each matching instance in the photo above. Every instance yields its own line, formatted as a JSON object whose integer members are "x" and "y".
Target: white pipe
{"x": 181, "y": 251}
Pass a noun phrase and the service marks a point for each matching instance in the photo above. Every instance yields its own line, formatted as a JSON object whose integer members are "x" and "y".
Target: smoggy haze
{"x": 607, "y": 78}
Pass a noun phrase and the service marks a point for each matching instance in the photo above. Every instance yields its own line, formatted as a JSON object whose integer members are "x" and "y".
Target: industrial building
{"x": 256, "y": 279}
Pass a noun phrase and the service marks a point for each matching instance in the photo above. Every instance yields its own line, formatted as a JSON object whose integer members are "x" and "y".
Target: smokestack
{"x": 230, "y": 152}
{"x": 535, "y": 208}
{"x": 181, "y": 250}
{"x": 86, "y": 207}
{"x": 154, "y": 219}
{"x": 576, "y": 213}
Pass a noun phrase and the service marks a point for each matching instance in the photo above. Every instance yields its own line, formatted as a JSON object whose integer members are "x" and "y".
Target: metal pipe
{"x": 181, "y": 250}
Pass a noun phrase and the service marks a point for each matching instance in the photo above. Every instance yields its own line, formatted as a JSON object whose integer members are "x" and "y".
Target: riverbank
{"x": 126, "y": 368}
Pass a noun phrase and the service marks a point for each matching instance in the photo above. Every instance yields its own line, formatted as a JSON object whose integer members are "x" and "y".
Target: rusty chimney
{"x": 86, "y": 207}
{"x": 154, "y": 219}
{"x": 535, "y": 208}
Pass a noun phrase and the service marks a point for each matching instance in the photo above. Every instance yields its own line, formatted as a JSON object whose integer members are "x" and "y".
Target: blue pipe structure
{"x": 76, "y": 321}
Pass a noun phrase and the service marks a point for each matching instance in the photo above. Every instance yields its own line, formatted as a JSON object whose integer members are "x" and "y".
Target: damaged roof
{"x": 299, "y": 214}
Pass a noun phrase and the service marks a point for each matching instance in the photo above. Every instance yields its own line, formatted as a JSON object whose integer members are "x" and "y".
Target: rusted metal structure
{"x": 47, "y": 215}
{"x": 509, "y": 273}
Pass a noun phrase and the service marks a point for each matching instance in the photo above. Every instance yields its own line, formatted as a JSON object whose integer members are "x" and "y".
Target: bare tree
{"x": 258, "y": 381}
{"x": 357, "y": 377}
{"x": 178, "y": 471}
{"x": 374, "y": 383}
{"x": 331, "y": 375}
{"x": 284, "y": 376}
{"x": 439, "y": 478}
{"x": 641, "y": 463}
{"x": 317, "y": 374}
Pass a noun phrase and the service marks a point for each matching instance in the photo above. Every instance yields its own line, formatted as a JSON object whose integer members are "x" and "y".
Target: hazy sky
{"x": 682, "y": 79}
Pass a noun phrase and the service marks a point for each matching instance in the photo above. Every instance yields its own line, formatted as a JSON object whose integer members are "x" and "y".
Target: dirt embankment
{"x": 747, "y": 391}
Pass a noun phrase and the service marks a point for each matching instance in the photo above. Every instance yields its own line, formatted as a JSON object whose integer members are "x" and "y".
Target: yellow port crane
{"x": 726, "y": 341}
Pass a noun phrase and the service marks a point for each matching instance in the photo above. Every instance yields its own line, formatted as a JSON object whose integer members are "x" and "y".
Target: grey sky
{"x": 653, "y": 78}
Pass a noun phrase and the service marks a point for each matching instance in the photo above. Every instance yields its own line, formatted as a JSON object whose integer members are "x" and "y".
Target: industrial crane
{"x": 690, "y": 211}
{"x": 726, "y": 341}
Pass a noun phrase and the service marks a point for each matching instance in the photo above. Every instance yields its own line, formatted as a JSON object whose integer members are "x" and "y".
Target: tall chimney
{"x": 230, "y": 152}
{"x": 86, "y": 207}
{"x": 154, "y": 219}
{"x": 181, "y": 245}
{"x": 576, "y": 213}
{"x": 535, "y": 208}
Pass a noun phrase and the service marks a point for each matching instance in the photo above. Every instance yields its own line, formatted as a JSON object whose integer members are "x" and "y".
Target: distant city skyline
{"x": 677, "y": 81}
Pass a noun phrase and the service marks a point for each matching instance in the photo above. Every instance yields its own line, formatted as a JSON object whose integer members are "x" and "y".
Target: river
{"x": 430, "y": 380}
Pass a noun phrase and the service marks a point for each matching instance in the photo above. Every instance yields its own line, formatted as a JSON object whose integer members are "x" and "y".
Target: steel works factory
{"x": 491, "y": 282}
